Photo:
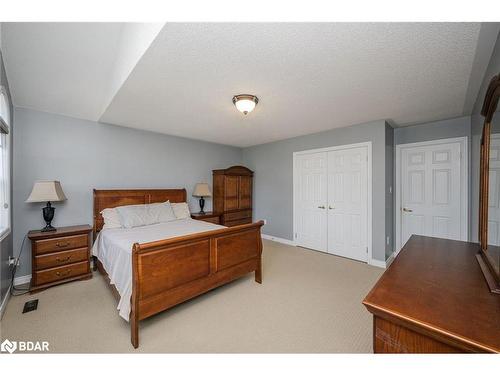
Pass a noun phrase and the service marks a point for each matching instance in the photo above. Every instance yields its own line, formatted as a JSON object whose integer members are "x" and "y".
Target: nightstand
{"x": 59, "y": 256}
{"x": 211, "y": 217}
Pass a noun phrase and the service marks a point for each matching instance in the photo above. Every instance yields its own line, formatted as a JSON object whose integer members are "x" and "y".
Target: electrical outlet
{"x": 12, "y": 260}
{"x": 388, "y": 240}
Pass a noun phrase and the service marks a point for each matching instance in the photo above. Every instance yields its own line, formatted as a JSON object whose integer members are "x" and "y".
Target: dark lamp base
{"x": 202, "y": 205}
{"x": 48, "y": 215}
{"x": 49, "y": 228}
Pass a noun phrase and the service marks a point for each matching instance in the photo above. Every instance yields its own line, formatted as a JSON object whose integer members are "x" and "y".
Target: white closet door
{"x": 348, "y": 203}
{"x": 311, "y": 201}
{"x": 494, "y": 192}
{"x": 431, "y": 192}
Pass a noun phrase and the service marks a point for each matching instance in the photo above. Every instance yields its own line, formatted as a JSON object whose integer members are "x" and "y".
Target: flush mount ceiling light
{"x": 245, "y": 103}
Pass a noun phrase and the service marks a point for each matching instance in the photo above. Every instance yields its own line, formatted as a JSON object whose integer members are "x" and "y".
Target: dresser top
{"x": 62, "y": 231}
{"x": 437, "y": 285}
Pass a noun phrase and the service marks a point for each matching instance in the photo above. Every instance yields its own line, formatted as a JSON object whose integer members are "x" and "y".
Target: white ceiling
{"x": 60, "y": 67}
{"x": 309, "y": 77}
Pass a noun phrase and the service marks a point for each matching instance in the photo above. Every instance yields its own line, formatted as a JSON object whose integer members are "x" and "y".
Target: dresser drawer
{"x": 61, "y": 258}
{"x": 237, "y": 215}
{"x": 60, "y": 244}
{"x": 61, "y": 273}
{"x": 233, "y": 223}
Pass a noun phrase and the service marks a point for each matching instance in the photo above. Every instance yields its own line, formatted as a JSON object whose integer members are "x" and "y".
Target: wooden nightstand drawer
{"x": 61, "y": 244}
{"x": 209, "y": 217}
{"x": 237, "y": 215}
{"x": 214, "y": 220}
{"x": 61, "y": 273}
{"x": 233, "y": 223}
{"x": 61, "y": 258}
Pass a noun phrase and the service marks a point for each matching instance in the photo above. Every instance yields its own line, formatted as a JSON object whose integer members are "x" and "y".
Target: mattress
{"x": 113, "y": 247}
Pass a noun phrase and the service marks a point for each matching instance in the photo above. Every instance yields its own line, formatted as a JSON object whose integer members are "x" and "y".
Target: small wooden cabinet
{"x": 60, "y": 256}
{"x": 232, "y": 195}
{"x": 210, "y": 217}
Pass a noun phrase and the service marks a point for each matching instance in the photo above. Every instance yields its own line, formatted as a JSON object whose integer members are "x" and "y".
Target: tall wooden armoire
{"x": 232, "y": 195}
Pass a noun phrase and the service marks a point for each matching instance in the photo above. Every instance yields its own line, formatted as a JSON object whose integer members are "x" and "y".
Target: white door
{"x": 348, "y": 203}
{"x": 494, "y": 192}
{"x": 311, "y": 201}
{"x": 432, "y": 190}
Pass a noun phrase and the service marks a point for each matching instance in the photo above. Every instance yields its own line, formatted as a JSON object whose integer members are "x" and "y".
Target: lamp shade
{"x": 202, "y": 190}
{"x": 46, "y": 191}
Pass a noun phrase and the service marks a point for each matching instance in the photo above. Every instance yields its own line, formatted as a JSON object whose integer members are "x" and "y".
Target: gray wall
{"x": 85, "y": 155}
{"x": 6, "y": 244}
{"x": 456, "y": 127}
{"x": 273, "y": 181}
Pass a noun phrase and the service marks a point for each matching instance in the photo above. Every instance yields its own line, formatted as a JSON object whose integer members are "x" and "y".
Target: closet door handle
{"x": 322, "y": 207}
{"x": 331, "y": 208}
{"x": 407, "y": 209}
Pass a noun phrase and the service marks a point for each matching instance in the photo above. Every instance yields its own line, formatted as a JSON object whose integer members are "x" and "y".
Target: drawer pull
{"x": 64, "y": 259}
{"x": 62, "y": 244}
{"x": 62, "y": 274}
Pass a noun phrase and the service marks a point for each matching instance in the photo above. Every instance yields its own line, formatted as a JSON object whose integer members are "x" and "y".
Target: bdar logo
{"x": 8, "y": 346}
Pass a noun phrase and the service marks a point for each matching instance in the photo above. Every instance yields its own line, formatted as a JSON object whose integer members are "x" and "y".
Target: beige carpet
{"x": 308, "y": 302}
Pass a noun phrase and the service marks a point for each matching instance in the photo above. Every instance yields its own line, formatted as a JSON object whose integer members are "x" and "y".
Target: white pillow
{"x": 161, "y": 212}
{"x": 111, "y": 218}
{"x": 181, "y": 210}
{"x": 145, "y": 214}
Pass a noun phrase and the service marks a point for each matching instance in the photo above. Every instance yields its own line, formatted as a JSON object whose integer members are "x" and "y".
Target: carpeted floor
{"x": 308, "y": 302}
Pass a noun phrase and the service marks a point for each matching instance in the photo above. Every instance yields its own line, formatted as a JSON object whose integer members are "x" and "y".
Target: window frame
{"x": 5, "y": 165}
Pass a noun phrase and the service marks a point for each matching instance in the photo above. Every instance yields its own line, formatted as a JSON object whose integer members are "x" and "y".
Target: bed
{"x": 156, "y": 267}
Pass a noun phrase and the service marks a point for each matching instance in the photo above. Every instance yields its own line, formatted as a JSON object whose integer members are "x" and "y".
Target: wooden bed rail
{"x": 171, "y": 271}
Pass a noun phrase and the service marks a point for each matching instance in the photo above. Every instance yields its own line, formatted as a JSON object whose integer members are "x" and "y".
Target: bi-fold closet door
{"x": 331, "y": 201}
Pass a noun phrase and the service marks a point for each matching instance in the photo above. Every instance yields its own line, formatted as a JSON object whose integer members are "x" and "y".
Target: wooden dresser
{"x": 434, "y": 299}
{"x": 232, "y": 195}
{"x": 60, "y": 256}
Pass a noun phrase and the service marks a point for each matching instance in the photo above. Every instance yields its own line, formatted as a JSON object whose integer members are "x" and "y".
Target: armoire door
{"x": 311, "y": 200}
{"x": 231, "y": 196}
{"x": 245, "y": 196}
{"x": 431, "y": 191}
{"x": 348, "y": 203}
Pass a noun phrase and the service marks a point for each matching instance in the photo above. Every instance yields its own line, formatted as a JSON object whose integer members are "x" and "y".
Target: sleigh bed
{"x": 176, "y": 268}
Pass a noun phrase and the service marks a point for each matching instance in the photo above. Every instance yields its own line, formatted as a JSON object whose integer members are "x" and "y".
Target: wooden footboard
{"x": 168, "y": 272}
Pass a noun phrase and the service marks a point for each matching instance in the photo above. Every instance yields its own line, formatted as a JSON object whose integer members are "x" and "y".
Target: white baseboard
{"x": 373, "y": 262}
{"x": 22, "y": 280}
{"x": 376, "y": 263}
{"x": 5, "y": 300}
{"x": 389, "y": 260}
{"x": 382, "y": 264}
{"x": 277, "y": 239}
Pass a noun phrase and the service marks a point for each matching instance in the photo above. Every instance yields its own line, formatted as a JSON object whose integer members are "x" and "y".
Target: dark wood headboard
{"x": 114, "y": 198}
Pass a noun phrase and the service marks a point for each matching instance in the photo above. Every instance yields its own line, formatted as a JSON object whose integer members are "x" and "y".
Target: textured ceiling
{"x": 309, "y": 77}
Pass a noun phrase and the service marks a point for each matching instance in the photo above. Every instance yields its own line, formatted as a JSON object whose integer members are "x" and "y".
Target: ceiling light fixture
{"x": 245, "y": 103}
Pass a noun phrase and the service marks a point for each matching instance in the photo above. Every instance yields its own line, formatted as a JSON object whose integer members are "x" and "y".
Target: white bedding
{"x": 113, "y": 247}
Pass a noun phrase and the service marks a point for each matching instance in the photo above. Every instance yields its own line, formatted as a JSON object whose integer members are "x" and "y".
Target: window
{"x": 4, "y": 164}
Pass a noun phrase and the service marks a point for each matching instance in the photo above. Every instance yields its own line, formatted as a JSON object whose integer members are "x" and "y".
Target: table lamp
{"x": 47, "y": 191}
{"x": 202, "y": 190}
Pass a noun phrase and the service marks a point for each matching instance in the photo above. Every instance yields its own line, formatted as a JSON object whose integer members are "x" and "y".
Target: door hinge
{"x": 367, "y": 249}
{"x": 295, "y": 235}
